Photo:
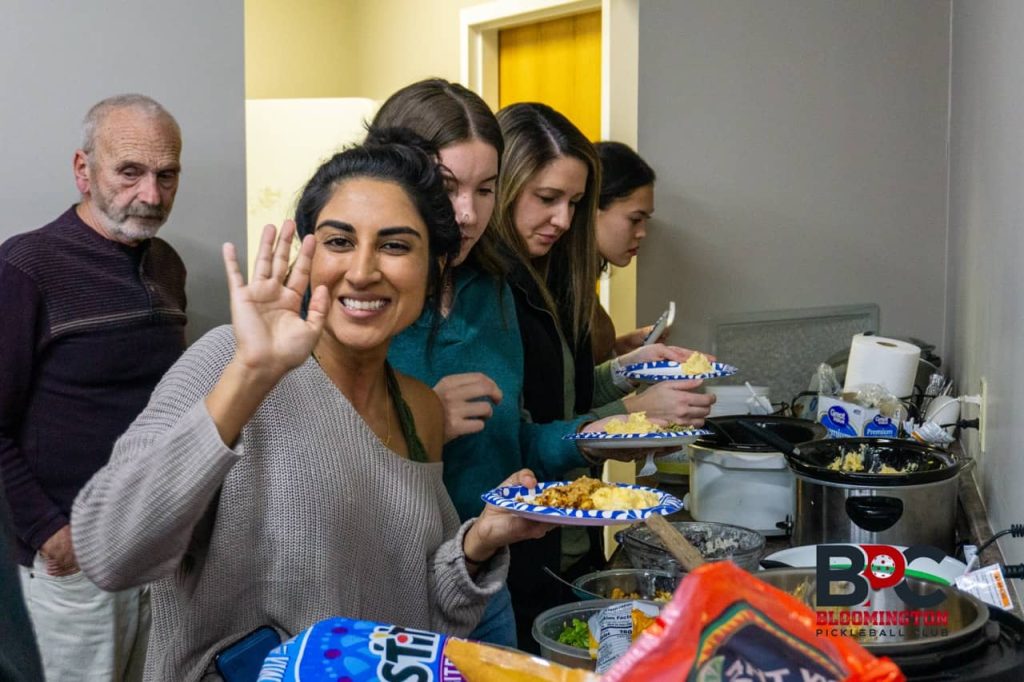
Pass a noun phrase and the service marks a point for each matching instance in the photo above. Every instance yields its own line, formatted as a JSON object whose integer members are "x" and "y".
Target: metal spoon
{"x": 575, "y": 588}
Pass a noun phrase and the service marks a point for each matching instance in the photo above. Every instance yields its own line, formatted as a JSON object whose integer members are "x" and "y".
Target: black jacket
{"x": 543, "y": 386}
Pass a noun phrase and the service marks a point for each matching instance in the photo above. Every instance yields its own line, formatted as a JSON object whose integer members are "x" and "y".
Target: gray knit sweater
{"x": 307, "y": 517}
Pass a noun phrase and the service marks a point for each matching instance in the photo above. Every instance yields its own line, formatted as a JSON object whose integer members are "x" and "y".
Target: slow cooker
{"x": 736, "y": 478}
{"x": 916, "y": 506}
{"x": 980, "y": 644}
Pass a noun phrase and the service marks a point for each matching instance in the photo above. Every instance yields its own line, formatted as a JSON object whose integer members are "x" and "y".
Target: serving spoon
{"x": 576, "y": 588}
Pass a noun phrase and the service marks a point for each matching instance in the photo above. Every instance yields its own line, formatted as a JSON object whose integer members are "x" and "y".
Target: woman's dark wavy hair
{"x": 406, "y": 159}
{"x": 445, "y": 114}
{"x": 623, "y": 172}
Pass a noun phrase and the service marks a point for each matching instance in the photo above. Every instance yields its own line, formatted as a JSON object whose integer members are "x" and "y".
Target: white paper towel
{"x": 878, "y": 360}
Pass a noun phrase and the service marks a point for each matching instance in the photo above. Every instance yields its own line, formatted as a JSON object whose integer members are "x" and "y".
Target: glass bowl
{"x": 644, "y": 582}
{"x": 715, "y": 542}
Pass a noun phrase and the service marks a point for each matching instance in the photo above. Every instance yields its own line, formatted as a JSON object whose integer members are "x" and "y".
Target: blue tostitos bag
{"x": 339, "y": 649}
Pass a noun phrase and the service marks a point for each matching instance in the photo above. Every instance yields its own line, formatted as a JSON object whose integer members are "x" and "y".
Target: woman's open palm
{"x": 271, "y": 336}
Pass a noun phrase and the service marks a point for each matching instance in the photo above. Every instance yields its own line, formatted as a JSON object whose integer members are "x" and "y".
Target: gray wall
{"x": 987, "y": 240}
{"x": 800, "y": 147}
{"x": 59, "y": 58}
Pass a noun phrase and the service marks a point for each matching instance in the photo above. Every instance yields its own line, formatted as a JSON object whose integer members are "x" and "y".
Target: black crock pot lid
{"x": 994, "y": 654}
{"x": 728, "y": 435}
{"x": 812, "y": 460}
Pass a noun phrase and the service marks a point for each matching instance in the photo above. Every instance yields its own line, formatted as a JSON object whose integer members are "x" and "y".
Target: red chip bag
{"x": 725, "y": 625}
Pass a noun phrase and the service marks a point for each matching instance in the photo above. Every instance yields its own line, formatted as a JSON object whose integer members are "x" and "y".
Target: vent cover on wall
{"x": 782, "y": 349}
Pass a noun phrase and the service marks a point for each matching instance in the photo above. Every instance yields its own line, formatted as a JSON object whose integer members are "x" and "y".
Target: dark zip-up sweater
{"x": 88, "y": 327}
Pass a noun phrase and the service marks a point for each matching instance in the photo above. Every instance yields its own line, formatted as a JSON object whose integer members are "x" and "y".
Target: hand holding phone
{"x": 666, "y": 320}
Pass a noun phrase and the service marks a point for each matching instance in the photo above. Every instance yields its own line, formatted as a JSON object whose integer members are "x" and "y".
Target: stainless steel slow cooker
{"x": 737, "y": 478}
{"x": 914, "y": 507}
{"x": 975, "y": 643}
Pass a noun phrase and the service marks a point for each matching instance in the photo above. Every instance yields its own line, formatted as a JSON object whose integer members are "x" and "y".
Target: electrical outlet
{"x": 983, "y": 414}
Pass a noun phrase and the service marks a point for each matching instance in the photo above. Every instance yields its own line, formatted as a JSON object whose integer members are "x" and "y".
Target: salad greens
{"x": 577, "y": 634}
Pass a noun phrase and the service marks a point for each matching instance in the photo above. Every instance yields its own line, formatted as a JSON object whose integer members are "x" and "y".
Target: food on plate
{"x": 852, "y": 461}
{"x": 590, "y": 493}
{"x": 614, "y": 497}
{"x": 636, "y": 422}
{"x": 697, "y": 363}
{"x": 619, "y": 593}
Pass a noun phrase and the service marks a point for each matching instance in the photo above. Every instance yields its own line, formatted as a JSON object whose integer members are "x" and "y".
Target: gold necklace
{"x": 387, "y": 399}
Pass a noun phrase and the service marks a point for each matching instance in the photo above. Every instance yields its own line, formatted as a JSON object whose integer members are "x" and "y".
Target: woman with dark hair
{"x": 624, "y": 206}
{"x": 282, "y": 471}
{"x": 475, "y": 359}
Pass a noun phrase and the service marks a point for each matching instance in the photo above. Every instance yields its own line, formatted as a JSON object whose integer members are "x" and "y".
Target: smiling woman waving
{"x": 283, "y": 472}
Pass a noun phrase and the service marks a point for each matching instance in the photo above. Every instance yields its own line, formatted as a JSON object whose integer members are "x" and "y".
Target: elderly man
{"x": 92, "y": 313}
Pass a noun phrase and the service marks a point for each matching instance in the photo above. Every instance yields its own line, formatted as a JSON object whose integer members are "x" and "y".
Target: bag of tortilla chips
{"x": 723, "y": 624}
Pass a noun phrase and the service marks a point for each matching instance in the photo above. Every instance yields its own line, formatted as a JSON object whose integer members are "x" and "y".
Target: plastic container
{"x": 733, "y": 399}
{"x": 715, "y": 541}
{"x": 549, "y": 624}
{"x": 645, "y": 582}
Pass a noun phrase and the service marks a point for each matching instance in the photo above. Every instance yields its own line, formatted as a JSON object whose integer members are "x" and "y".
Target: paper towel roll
{"x": 878, "y": 360}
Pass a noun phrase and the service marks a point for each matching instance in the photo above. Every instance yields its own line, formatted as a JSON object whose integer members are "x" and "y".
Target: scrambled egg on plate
{"x": 636, "y": 423}
{"x": 697, "y": 363}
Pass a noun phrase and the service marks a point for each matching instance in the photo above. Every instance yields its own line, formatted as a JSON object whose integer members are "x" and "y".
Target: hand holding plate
{"x": 496, "y": 527}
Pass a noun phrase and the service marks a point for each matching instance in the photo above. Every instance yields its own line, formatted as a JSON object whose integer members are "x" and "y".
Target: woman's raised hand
{"x": 271, "y": 336}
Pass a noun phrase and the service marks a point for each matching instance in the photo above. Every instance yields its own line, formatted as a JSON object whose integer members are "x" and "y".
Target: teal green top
{"x": 481, "y": 334}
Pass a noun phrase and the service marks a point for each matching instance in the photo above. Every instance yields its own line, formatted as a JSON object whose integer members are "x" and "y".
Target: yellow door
{"x": 558, "y": 63}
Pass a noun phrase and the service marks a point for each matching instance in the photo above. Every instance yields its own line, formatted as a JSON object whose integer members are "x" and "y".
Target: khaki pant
{"x": 84, "y": 633}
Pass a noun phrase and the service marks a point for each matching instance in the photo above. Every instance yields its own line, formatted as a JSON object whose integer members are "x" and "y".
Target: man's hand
{"x": 59, "y": 554}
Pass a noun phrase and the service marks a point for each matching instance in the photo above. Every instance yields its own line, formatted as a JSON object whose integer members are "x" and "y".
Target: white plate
{"x": 945, "y": 572}
{"x": 505, "y": 497}
{"x": 669, "y": 370}
{"x": 599, "y": 440}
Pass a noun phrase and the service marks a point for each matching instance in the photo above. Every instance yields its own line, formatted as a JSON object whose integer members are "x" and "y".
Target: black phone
{"x": 243, "y": 660}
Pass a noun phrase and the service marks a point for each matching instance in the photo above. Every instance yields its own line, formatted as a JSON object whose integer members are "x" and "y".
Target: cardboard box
{"x": 850, "y": 420}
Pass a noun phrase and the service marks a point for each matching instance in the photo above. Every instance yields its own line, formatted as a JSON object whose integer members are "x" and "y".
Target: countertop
{"x": 972, "y": 526}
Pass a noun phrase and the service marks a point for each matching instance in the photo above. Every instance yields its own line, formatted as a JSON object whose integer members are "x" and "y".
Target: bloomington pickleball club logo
{"x": 855, "y": 589}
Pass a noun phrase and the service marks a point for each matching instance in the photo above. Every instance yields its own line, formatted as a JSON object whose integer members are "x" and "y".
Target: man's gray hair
{"x": 99, "y": 111}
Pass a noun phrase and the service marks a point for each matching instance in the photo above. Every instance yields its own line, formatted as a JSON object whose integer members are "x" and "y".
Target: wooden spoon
{"x": 675, "y": 542}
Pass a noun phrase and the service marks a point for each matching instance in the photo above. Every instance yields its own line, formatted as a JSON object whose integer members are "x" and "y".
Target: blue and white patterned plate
{"x": 599, "y": 440}
{"x": 669, "y": 370}
{"x": 505, "y": 497}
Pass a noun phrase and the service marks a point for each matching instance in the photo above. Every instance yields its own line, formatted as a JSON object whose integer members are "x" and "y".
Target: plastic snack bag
{"x": 724, "y": 625}
{"x": 482, "y": 663}
{"x": 360, "y": 651}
